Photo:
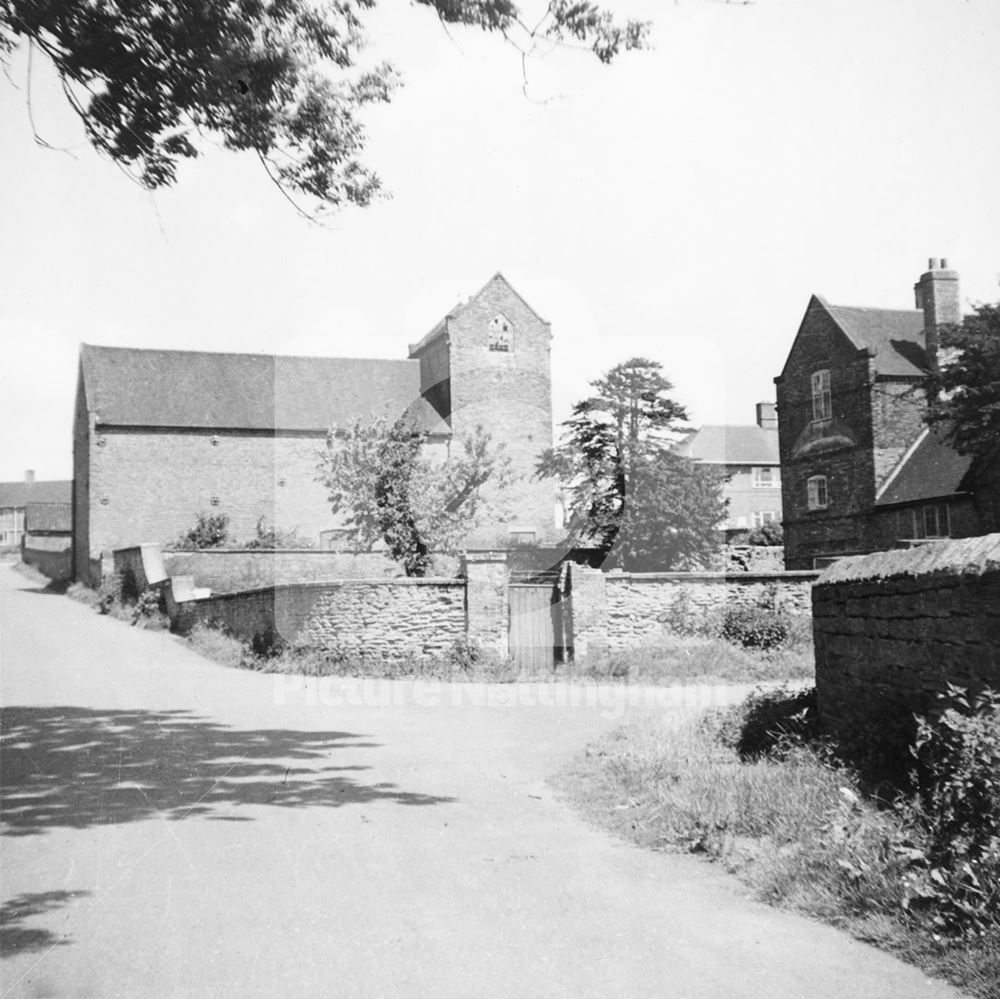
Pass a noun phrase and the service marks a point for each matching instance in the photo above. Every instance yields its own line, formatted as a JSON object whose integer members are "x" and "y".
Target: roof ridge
{"x": 236, "y": 353}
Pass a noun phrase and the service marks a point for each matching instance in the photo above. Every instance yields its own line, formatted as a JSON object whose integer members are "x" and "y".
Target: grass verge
{"x": 793, "y": 823}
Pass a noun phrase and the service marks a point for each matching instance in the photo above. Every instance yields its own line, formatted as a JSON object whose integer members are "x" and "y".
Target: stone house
{"x": 161, "y": 436}
{"x": 861, "y": 471}
{"x": 748, "y": 454}
{"x": 14, "y": 500}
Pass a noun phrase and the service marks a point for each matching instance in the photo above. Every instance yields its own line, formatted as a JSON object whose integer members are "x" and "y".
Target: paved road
{"x": 177, "y": 829}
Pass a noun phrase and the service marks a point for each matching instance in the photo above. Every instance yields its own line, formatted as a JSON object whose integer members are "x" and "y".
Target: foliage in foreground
{"x": 153, "y": 82}
{"x": 755, "y": 788}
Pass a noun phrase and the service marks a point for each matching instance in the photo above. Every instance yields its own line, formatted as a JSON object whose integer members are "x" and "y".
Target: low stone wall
{"x": 615, "y": 611}
{"x": 896, "y": 627}
{"x": 51, "y": 555}
{"x": 226, "y": 570}
{"x": 375, "y": 618}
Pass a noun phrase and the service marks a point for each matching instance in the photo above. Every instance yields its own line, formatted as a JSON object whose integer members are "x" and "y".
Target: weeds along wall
{"x": 895, "y": 628}
{"x": 615, "y": 611}
{"x": 390, "y": 619}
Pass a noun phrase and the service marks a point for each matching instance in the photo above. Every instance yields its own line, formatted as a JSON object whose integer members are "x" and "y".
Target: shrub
{"x": 210, "y": 531}
{"x": 755, "y": 627}
{"x": 271, "y": 537}
{"x": 767, "y": 535}
{"x": 957, "y": 780}
{"x": 149, "y": 610}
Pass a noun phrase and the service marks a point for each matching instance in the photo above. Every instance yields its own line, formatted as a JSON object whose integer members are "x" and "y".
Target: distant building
{"x": 14, "y": 499}
{"x": 861, "y": 471}
{"x": 749, "y": 457}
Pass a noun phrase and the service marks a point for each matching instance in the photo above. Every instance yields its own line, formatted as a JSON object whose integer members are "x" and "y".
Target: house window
{"x": 822, "y": 409}
{"x": 762, "y": 517}
{"x": 766, "y": 477}
{"x": 501, "y": 332}
{"x": 931, "y": 521}
{"x": 818, "y": 497}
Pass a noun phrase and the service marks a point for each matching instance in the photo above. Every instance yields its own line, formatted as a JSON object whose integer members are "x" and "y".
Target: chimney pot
{"x": 29, "y": 475}
{"x": 944, "y": 263}
{"x": 767, "y": 417}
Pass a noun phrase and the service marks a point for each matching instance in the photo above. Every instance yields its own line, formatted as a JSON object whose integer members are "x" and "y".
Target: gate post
{"x": 486, "y": 610}
{"x": 588, "y": 612}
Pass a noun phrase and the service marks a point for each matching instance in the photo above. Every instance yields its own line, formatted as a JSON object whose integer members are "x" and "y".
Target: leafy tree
{"x": 152, "y": 79}
{"x": 966, "y": 393}
{"x": 629, "y": 493}
{"x": 391, "y": 492}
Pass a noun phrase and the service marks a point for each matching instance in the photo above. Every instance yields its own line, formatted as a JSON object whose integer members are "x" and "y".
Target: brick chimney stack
{"x": 29, "y": 476}
{"x": 937, "y": 295}
{"x": 767, "y": 416}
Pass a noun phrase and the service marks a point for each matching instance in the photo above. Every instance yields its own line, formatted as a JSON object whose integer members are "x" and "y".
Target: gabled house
{"x": 749, "y": 457}
{"x": 161, "y": 436}
{"x": 14, "y": 500}
{"x": 860, "y": 469}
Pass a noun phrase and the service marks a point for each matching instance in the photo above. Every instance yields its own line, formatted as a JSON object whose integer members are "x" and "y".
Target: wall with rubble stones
{"x": 376, "y": 618}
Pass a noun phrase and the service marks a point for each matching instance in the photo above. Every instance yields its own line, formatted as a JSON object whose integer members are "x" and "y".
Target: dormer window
{"x": 817, "y": 495}
{"x": 822, "y": 408}
{"x": 501, "y": 333}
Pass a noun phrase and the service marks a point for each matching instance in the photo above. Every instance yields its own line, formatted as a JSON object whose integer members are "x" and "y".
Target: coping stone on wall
{"x": 964, "y": 556}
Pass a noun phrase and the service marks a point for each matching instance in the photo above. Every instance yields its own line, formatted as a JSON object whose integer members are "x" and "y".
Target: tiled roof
{"x": 187, "y": 389}
{"x": 932, "y": 470}
{"x": 896, "y": 336}
{"x": 731, "y": 445}
{"x": 20, "y": 494}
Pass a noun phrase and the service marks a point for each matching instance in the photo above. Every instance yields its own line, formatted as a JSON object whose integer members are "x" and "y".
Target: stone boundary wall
{"x": 51, "y": 555}
{"x": 390, "y": 619}
{"x": 615, "y": 611}
{"x": 896, "y": 627}
{"x": 225, "y": 570}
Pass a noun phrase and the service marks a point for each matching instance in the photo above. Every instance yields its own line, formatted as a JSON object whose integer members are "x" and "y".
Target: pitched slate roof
{"x": 20, "y": 494}
{"x": 895, "y": 335}
{"x": 931, "y": 470}
{"x": 731, "y": 445}
{"x": 193, "y": 389}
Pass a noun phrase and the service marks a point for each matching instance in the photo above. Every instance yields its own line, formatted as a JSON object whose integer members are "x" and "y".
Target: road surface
{"x": 177, "y": 829}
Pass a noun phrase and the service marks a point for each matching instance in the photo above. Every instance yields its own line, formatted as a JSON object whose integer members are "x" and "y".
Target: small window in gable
{"x": 817, "y": 492}
{"x": 501, "y": 333}
{"x": 822, "y": 408}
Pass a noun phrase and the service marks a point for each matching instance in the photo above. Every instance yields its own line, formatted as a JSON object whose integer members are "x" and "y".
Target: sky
{"x": 681, "y": 204}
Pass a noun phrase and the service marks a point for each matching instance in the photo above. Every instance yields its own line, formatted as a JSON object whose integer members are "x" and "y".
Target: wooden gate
{"x": 535, "y": 625}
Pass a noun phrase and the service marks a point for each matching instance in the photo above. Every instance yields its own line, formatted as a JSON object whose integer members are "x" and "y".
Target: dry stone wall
{"x": 899, "y": 626}
{"x": 615, "y": 611}
{"x": 387, "y": 619}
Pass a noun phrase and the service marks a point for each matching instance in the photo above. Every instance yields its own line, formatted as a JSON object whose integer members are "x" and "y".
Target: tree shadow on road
{"x": 77, "y": 767}
{"x": 18, "y": 939}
